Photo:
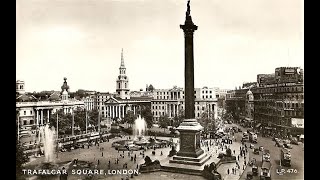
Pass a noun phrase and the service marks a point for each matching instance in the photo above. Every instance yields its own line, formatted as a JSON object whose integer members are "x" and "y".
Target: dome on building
{"x": 65, "y": 92}
{"x": 249, "y": 92}
{"x": 65, "y": 85}
{"x": 249, "y": 95}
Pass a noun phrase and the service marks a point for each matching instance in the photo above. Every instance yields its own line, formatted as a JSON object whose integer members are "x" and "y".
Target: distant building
{"x": 171, "y": 101}
{"x": 20, "y": 87}
{"x": 32, "y": 111}
{"x": 278, "y": 102}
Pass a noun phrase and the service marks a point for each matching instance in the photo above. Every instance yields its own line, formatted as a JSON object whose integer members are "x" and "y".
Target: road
{"x": 295, "y": 172}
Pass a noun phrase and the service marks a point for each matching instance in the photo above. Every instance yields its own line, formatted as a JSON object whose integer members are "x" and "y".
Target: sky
{"x": 82, "y": 41}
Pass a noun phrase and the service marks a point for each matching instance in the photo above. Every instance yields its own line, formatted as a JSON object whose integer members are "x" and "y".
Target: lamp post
{"x": 18, "y": 119}
{"x": 86, "y": 121}
{"x": 72, "y": 122}
{"x": 57, "y": 134}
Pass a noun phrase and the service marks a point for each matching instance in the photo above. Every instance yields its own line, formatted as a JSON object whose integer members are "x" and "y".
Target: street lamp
{"x": 57, "y": 134}
{"x": 72, "y": 121}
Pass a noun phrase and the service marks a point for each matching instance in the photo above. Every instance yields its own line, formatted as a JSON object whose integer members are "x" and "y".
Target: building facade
{"x": 171, "y": 101}
{"x": 31, "y": 111}
{"x": 277, "y": 102}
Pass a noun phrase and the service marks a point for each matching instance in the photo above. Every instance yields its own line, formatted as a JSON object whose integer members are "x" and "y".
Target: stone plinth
{"x": 190, "y": 152}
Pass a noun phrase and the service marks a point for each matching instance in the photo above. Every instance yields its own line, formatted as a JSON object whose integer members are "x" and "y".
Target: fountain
{"x": 139, "y": 131}
{"x": 47, "y": 137}
{"x": 139, "y": 128}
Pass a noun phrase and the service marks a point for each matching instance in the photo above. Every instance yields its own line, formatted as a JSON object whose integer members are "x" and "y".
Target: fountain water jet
{"x": 139, "y": 131}
{"x": 47, "y": 137}
{"x": 139, "y": 127}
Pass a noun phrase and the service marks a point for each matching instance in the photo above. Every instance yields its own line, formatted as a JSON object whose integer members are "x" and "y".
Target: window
{"x": 206, "y": 96}
{"x": 203, "y": 97}
{"x": 31, "y": 112}
{"x": 210, "y": 91}
{"x": 162, "y": 107}
{"x": 202, "y": 108}
{"x": 206, "y": 91}
{"x": 125, "y": 85}
{"x": 24, "y": 112}
{"x": 24, "y": 122}
{"x": 163, "y": 113}
{"x": 156, "y": 107}
{"x": 210, "y": 96}
{"x": 198, "y": 115}
{"x": 156, "y": 113}
{"x": 198, "y": 108}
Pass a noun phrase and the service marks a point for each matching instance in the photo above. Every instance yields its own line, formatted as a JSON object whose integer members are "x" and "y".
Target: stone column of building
{"x": 123, "y": 109}
{"x": 36, "y": 116}
{"x": 115, "y": 111}
{"x": 112, "y": 107}
{"x": 134, "y": 109}
{"x": 48, "y": 112}
{"x": 105, "y": 111}
{"x": 41, "y": 116}
{"x": 174, "y": 110}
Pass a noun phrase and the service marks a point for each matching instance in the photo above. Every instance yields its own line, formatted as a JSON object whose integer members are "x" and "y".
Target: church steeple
{"x": 122, "y": 81}
{"x": 122, "y": 68}
{"x": 122, "y": 60}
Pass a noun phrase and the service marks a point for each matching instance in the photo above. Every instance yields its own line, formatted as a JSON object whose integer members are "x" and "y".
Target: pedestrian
{"x": 228, "y": 171}
{"x": 238, "y": 158}
{"x": 232, "y": 170}
{"x": 235, "y": 170}
{"x": 234, "y": 151}
{"x": 102, "y": 154}
{"x": 98, "y": 161}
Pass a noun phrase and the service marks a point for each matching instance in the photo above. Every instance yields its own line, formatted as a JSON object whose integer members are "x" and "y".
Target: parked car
{"x": 287, "y": 146}
{"x": 256, "y": 151}
{"x": 261, "y": 148}
{"x": 294, "y": 141}
{"x": 279, "y": 143}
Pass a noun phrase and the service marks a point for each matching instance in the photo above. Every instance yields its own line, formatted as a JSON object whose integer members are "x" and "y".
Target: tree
{"x": 164, "y": 122}
{"x": 93, "y": 116}
{"x": 130, "y": 117}
{"x": 177, "y": 120}
{"x": 80, "y": 118}
{"x": 21, "y": 157}
{"x": 147, "y": 115}
{"x": 65, "y": 121}
{"x": 151, "y": 88}
{"x": 206, "y": 119}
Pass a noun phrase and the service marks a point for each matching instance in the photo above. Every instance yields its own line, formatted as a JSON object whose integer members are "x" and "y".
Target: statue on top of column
{"x": 188, "y": 8}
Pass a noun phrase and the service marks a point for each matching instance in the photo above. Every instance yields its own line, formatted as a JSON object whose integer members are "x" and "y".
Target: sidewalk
{"x": 223, "y": 168}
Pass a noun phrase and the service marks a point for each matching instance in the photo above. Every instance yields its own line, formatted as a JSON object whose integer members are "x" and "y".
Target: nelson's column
{"x": 190, "y": 151}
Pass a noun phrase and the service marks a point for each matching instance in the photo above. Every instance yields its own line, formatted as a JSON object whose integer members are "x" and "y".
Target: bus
{"x": 265, "y": 171}
{"x": 253, "y": 138}
{"x": 285, "y": 157}
{"x": 266, "y": 155}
